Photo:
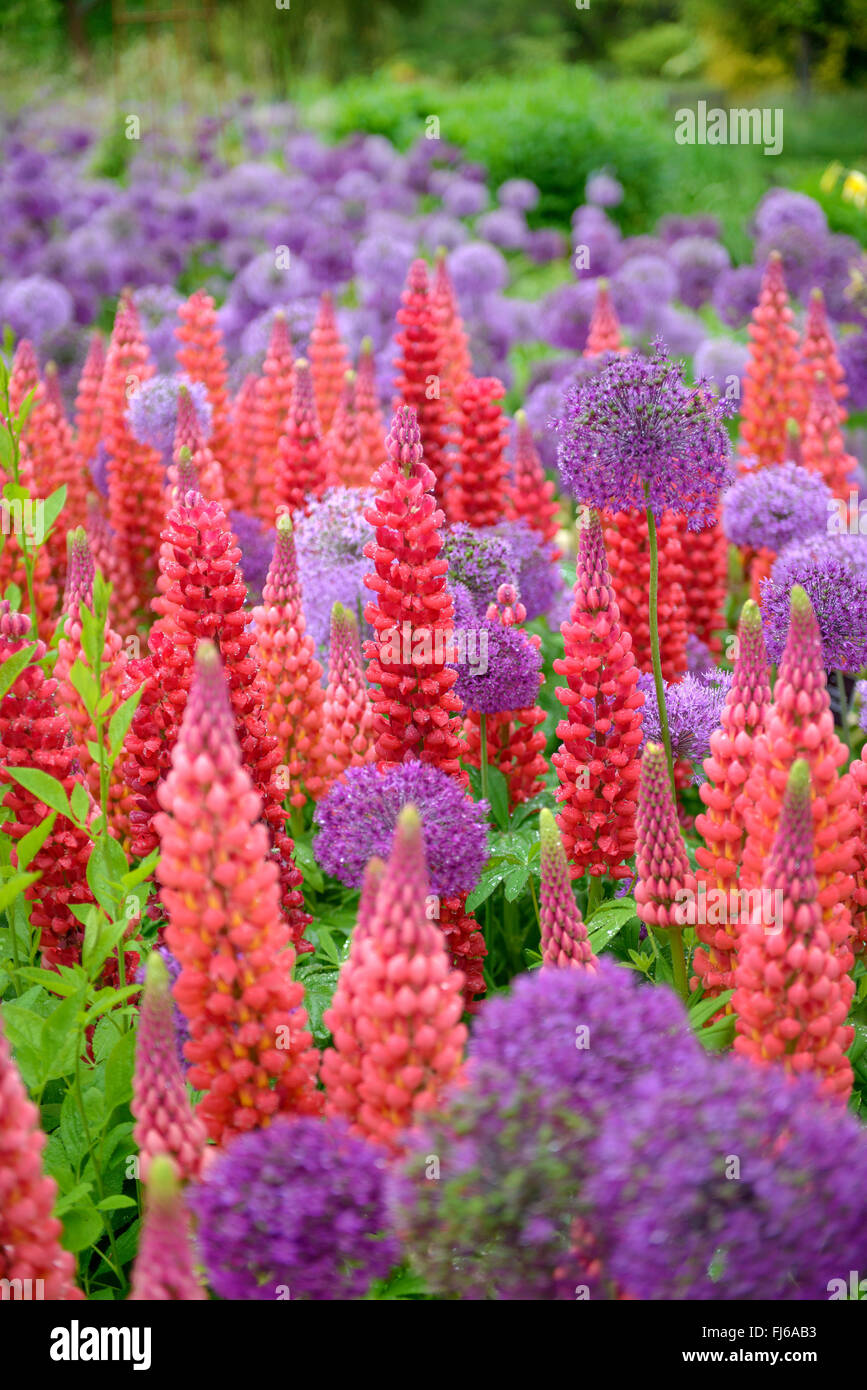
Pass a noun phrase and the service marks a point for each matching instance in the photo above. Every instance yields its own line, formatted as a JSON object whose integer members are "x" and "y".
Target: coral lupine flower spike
{"x": 792, "y": 990}
{"x": 395, "y": 1016}
{"x": 665, "y": 883}
{"x": 164, "y": 1268}
{"x": 249, "y": 1048}
{"x": 564, "y": 935}
{"x": 165, "y": 1121}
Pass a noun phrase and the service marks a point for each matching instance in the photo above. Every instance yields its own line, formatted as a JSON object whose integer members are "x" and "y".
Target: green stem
{"x": 535, "y": 903}
{"x": 483, "y": 755}
{"x": 654, "y": 648}
{"x": 594, "y": 894}
{"x": 296, "y": 817}
{"x": 678, "y": 961}
{"x": 97, "y": 1168}
{"x": 844, "y": 709}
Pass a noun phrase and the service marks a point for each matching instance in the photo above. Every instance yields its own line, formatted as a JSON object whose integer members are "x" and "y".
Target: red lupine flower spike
{"x": 290, "y": 673}
{"x": 301, "y": 459}
{"x": 421, "y": 366}
{"x": 202, "y": 357}
{"x": 239, "y": 468}
{"x": 329, "y": 361}
{"x": 705, "y": 583}
{"x": 531, "y": 494}
{"x": 792, "y": 991}
{"x": 664, "y": 880}
{"x": 479, "y": 485}
{"x": 371, "y": 426}
{"x": 416, "y": 712}
{"x": 604, "y": 332}
{"x": 348, "y": 735}
{"x": 819, "y": 356}
{"x": 824, "y": 450}
{"x": 346, "y": 460}
{"x": 30, "y": 1248}
{"x": 564, "y": 935}
{"x": 597, "y": 761}
{"x": 771, "y": 391}
{"x": 273, "y": 399}
{"x": 456, "y": 362}
{"x": 858, "y": 770}
{"x": 88, "y": 415}
{"x": 628, "y": 549}
{"x": 722, "y": 825}
{"x": 188, "y": 436}
{"x": 249, "y": 1048}
{"x": 395, "y": 1015}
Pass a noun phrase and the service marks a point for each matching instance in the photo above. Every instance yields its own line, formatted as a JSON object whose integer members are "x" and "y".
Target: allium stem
{"x": 483, "y": 755}
{"x": 654, "y": 648}
{"x": 844, "y": 709}
{"x": 594, "y": 894}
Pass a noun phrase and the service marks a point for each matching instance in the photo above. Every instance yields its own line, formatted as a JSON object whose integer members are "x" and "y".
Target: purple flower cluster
{"x": 295, "y": 1211}
{"x": 357, "y": 818}
{"x": 330, "y": 542}
{"x": 638, "y": 436}
{"x": 256, "y": 543}
{"x": 772, "y": 507}
{"x": 693, "y": 705}
{"x": 152, "y": 412}
{"x": 833, "y": 571}
{"x": 505, "y": 675}
{"x": 482, "y": 558}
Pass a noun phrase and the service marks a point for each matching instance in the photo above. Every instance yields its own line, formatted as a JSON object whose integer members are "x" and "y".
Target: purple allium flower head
{"x": 356, "y": 820}
{"x": 477, "y": 268}
{"x": 699, "y": 657}
{"x": 464, "y": 197}
{"x": 547, "y": 1064}
{"x": 781, "y": 207}
{"x": 35, "y": 307}
{"x": 157, "y": 307}
{"x": 694, "y": 706}
{"x": 330, "y": 542}
{"x": 442, "y": 230}
{"x": 721, "y": 361}
{"x": 698, "y": 261}
{"x": 520, "y": 194}
{"x": 796, "y": 226}
{"x": 772, "y": 507}
{"x": 505, "y": 675}
{"x": 674, "y": 226}
{"x": 300, "y": 1205}
{"x": 479, "y": 559}
{"x": 536, "y": 574}
{"x": 853, "y": 358}
{"x": 546, "y": 244}
{"x": 736, "y": 294}
{"x": 650, "y": 278}
{"x": 152, "y": 413}
{"x": 671, "y": 1221}
{"x": 638, "y": 436}
{"x": 503, "y": 227}
{"x": 603, "y": 190}
{"x": 861, "y": 692}
{"x": 257, "y": 549}
{"x": 828, "y": 568}
{"x": 681, "y": 329}
{"x": 565, "y": 314}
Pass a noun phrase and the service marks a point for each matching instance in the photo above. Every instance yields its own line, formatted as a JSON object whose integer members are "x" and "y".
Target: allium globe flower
{"x": 479, "y": 559}
{"x": 503, "y": 227}
{"x": 520, "y": 194}
{"x": 650, "y": 278}
{"x": 257, "y": 548}
{"x": 506, "y": 674}
{"x": 681, "y": 329}
{"x": 676, "y": 1220}
{"x": 546, "y": 1065}
{"x": 828, "y": 568}
{"x": 465, "y": 197}
{"x": 674, "y": 226}
{"x": 593, "y": 230}
{"x": 861, "y": 692}
{"x": 698, "y": 261}
{"x": 565, "y": 314}
{"x": 736, "y": 294}
{"x": 699, "y": 657}
{"x": 535, "y": 573}
{"x": 781, "y": 207}
{"x": 477, "y": 269}
{"x": 772, "y": 507}
{"x": 295, "y": 1211}
{"x": 330, "y": 542}
{"x": 603, "y": 190}
{"x": 721, "y": 361}
{"x": 694, "y": 706}
{"x": 853, "y": 359}
{"x": 35, "y": 307}
{"x": 157, "y": 307}
{"x": 356, "y": 821}
{"x": 638, "y": 436}
{"x": 545, "y": 245}
{"x": 152, "y": 413}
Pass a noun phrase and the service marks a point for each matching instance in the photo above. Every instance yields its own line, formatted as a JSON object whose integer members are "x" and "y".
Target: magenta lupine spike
{"x": 564, "y": 935}
{"x": 80, "y": 573}
{"x": 189, "y": 438}
{"x": 373, "y": 876}
{"x": 665, "y": 881}
{"x": 164, "y": 1269}
{"x": 792, "y": 990}
{"x": 165, "y": 1120}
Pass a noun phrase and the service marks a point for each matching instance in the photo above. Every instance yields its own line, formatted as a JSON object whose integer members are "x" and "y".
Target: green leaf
{"x": 109, "y": 999}
{"x": 81, "y": 1228}
{"x": 7, "y": 449}
{"x": 24, "y": 410}
{"x": 43, "y": 786}
{"x": 120, "y": 721}
{"x": 719, "y": 1035}
{"x": 318, "y": 992}
{"x": 85, "y": 683}
{"x": 80, "y": 802}
{"x": 498, "y": 795}
{"x": 54, "y": 506}
{"x": 13, "y": 595}
{"x": 14, "y": 665}
{"x": 72, "y": 1197}
{"x": 23, "y": 1028}
{"x": 118, "y": 1072}
{"x": 106, "y": 868}
{"x": 72, "y": 1130}
{"x": 308, "y": 866}
{"x": 66, "y": 981}
{"x": 704, "y": 1009}
{"x": 515, "y": 882}
{"x": 31, "y": 843}
{"x": 115, "y": 1203}
{"x": 490, "y": 880}
{"x": 607, "y": 922}
{"x": 60, "y": 1035}
{"x": 141, "y": 871}
{"x": 10, "y": 890}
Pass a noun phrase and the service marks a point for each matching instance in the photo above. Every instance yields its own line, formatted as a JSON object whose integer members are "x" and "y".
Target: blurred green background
{"x": 540, "y": 89}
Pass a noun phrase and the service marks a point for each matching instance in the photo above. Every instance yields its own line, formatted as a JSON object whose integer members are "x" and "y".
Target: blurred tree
{"x": 824, "y": 38}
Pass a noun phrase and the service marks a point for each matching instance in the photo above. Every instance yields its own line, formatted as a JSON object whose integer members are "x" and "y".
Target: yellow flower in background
{"x": 855, "y": 189}
{"x": 828, "y": 181}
